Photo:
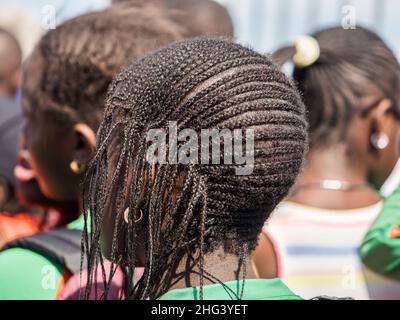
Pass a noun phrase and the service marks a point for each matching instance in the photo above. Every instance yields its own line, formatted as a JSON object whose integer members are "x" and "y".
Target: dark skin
{"x": 10, "y": 71}
{"x": 52, "y": 147}
{"x": 357, "y": 162}
{"x": 219, "y": 263}
{"x": 10, "y": 66}
{"x": 7, "y": 201}
{"x": 29, "y": 194}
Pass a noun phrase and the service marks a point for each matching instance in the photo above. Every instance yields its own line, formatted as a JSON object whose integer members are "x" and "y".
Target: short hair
{"x": 80, "y": 58}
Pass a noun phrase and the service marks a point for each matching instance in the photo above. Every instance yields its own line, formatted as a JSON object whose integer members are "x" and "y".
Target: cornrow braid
{"x": 80, "y": 57}
{"x": 353, "y": 64}
{"x": 200, "y": 84}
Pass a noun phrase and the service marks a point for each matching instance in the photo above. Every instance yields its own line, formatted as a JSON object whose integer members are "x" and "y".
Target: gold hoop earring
{"x": 76, "y": 167}
{"x": 126, "y": 216}
{"x": 140, "y": 218}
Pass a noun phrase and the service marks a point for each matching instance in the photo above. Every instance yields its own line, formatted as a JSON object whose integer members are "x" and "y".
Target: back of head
{"x": 198, "y": 17}
{"x": 77, "y": 60}
{"x": 198, "y": 84}
{"x": 10, "y": 63}
{"x": 203, "y": 17}
{"x": 353, "y": 66}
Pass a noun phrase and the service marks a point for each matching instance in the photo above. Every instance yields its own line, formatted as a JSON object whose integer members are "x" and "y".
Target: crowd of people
{"x": 87, "y": 212}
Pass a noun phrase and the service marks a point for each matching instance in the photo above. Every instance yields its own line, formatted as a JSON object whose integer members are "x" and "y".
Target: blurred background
{"x": 269, "y": 24}
{"x": 263, "y": 24}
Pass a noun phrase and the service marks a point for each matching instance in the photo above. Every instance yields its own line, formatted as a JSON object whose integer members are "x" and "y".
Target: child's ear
{"x": 85, "y": 145}
{"x": 379, "y": 135}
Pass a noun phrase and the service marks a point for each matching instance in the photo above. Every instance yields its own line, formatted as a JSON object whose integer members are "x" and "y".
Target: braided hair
{"x": 200, "y": 83}
{"x": 353, "y": 64}
{"x": 79, "y": 59}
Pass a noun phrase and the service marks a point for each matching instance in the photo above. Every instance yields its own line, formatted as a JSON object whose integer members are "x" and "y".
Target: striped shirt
{"x": 318, "y": 252}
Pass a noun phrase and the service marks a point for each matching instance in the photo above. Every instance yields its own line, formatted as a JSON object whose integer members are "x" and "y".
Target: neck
{"x": 219, "y": 264}
{"x": 334, "y": 164}
{"x": 61, "y": 215}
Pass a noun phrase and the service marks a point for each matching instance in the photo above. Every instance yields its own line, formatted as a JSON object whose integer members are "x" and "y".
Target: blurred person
{"x": 27, "y": 191}
{"x": 380, "y": 250}
{"x": 10, "y": 65}
{"x": 10, "y": 125}
{"x": 199, "y": 17}
{"x": 202, "y": 17}
{"x": 21, "y": 214}
{"x": 23, "y": 24}
{"x": 13, "y": 223}
{"x": 16, "y": 219}
{"x": 192, "y": 227}
{"x": 64, "y": 86}
{"x": 350, "y": 82}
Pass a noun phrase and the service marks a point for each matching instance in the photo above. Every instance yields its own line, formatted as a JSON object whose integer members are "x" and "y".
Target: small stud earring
{"x": 77, "y": 168}
{"x": 379, "y": 140}
{"x": 126, "y": 216}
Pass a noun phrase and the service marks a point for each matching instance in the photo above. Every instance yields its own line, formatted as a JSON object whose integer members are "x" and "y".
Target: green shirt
{"x": 380, "y": 250}
{"x": 27, "y": 275}
{"x": 254, "y": 289}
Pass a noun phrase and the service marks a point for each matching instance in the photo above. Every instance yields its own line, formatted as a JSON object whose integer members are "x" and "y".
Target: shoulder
{"x": 26, "y": 274}
{"x": 286, "y": 210}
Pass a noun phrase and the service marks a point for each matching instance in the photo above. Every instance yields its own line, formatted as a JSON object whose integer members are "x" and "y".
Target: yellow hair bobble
{"x": 307, "y": 51}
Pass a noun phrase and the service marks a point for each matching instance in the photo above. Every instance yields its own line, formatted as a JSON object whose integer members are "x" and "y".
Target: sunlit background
{"x": 263, "y": 24}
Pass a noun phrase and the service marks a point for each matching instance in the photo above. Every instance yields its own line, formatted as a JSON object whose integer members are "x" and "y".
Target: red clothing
{"x": 13, "y": 226}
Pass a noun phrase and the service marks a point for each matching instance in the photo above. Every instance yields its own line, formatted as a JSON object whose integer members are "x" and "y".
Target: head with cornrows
{"x": 184, "y": 222}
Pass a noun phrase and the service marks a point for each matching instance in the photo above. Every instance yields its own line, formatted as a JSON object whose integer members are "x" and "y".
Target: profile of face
{"x": 52, "y": 146}
{"x": 4, "y": 193}
{"x": 27, "y": 189}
